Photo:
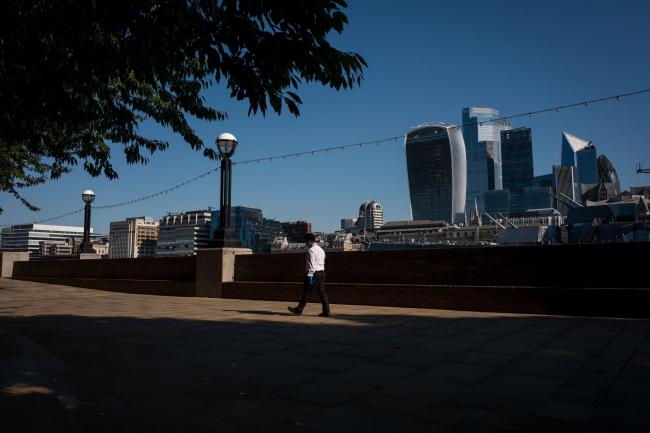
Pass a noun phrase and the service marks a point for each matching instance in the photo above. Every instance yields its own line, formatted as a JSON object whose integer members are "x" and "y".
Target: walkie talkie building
{"x": 437, "y": 172}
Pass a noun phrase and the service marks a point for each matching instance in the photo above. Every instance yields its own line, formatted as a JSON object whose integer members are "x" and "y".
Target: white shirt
{"x": 315, "y": 260}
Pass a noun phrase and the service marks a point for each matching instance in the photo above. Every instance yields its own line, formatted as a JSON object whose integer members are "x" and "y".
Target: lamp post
{"x": 225, "y": 236}
{"x": 88, "y": 197}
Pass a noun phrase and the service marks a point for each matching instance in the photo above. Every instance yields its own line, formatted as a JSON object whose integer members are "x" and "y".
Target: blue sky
{"x": 427, "y": 60}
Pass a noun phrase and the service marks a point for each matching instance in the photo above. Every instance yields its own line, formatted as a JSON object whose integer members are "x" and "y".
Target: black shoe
{"x": 295, "y": 310}
{"x": 324, "y": 314}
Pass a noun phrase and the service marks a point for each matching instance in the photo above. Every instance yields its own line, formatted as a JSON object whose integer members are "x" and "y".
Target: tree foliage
{"x": 78, "y": 77}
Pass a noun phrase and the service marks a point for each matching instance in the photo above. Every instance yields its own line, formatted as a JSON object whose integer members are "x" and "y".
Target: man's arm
{"x": 311, "y": 262}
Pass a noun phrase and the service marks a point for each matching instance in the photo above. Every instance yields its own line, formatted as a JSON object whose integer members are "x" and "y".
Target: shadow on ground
{"x": 253, "y": 370}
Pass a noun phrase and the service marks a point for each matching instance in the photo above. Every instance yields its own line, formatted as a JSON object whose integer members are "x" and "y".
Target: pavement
{"x": 80, "y": 360}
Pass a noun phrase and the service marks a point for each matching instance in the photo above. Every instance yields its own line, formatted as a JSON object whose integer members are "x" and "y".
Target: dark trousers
{"x": 319, "y": 285}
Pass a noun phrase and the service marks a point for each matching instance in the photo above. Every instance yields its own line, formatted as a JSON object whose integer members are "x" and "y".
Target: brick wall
{"x": 612, "y": 265}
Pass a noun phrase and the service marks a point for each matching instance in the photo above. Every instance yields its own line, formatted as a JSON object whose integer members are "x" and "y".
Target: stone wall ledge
{"x": 123, "y": 285}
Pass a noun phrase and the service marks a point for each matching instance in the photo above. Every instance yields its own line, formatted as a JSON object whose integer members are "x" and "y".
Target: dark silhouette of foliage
{"x": 78, "y": 77}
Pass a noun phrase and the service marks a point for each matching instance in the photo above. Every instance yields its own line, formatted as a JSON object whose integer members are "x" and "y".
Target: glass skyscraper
{"x": 577, "y": 152}
{"x": 437, "y": 172}
{"x": 482, "y": 134}
{"x": 517, "y": 154}
{"x": 245, "y": 221}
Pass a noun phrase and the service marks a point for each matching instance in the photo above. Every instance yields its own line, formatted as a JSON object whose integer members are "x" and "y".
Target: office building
{"x": 371, "y": 216}
{"x": 567, "y": 187}
{"x": 133, "y": 237}
{"x": 57, "y": 248}
{"x": 534, "y": 197}
{"x": 544, "y": 180}
{"x": 437, "y": 172}
{"x": 182, "y": 234}
{"x": 28, "y": 237}
{"x": 245, "y": 222}
{"x": 497, "y": 202}
{"x": 517, "y": 157}
{"x": 266, "y": 234}
{"x": 296, "y": 231}
{"x": 482, "y": 136}
{"x": 347, "y": 224}
{"x": 580, "y": 153}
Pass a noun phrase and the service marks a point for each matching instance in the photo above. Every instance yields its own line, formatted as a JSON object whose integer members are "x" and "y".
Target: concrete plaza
{"x": 77, "y": 360}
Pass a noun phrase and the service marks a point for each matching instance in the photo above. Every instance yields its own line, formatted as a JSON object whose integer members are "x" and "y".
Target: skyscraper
{"x": 566, "y": 185}
{"x": 482, "y": 136}
{"x": 517, "y": 153}
{"x": 437, "y": 172}
{"x": 577, "y": 152}
{"x": 608, "y": 185}
{"x": 607, "y": 175}
{"x": 371, "y": 215}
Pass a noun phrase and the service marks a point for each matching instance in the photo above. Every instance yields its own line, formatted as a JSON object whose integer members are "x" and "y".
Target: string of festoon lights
{"x": 377, "y": 142}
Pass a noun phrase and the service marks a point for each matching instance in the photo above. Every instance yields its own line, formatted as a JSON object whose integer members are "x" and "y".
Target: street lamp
{"x": 88, "y": 197}
{"x": 225, "y": 236}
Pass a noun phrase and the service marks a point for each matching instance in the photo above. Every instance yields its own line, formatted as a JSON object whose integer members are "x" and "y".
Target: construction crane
{"x": 640, "y": 169}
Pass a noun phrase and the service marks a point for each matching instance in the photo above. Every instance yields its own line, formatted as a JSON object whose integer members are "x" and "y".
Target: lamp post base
{"x": 225, "y": 237}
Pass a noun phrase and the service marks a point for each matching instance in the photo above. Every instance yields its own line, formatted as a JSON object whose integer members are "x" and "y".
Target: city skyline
{"x": 569, "y": 67}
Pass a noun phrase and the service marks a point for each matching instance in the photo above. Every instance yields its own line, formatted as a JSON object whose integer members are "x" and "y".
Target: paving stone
{"x": 413, "y": 389}
{"x": 522, "y": 387}
{"x": 565, "y": 412}
{"x": 527, "y": 337}
{"x": 576, "y": 344}
{"x": 375, "y": 374}
{"x": 337, "y": 420}
{"x": 456, "y": 372}
{"x": 413, "y": 358}
{"x": 593, "y": 380}
{"x": 320, "y": 348}
{"x": 569, "y": 394}
{"x": 447, "y": 346}
{"x": 545, "y": 368}
{"x": 483, "y": 358}
{"x": 621, "y": 419}
{"x": 507, "y": 348}
{"x": 374, "y": 350}
{"x": 326, "y": 392}
{"x": 410, "y": 341}
{"x": 165, "y": 364}
{"x": 330, "y": 363}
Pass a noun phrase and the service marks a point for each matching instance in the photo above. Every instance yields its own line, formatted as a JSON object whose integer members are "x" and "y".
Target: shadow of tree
{"x": 251, "y": 370}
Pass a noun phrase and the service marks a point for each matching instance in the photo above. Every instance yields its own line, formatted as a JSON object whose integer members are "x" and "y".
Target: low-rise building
{"x": 28, "y": 237}
{"x": 296, "y": 231}
{"x": 182, "y": 234}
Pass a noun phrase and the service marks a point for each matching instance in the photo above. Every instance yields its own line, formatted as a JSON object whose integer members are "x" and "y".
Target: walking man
{"x": 315, "y": 268}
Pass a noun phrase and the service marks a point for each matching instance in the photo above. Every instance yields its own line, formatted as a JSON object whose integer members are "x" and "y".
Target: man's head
{"x": 310, "y": 238}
